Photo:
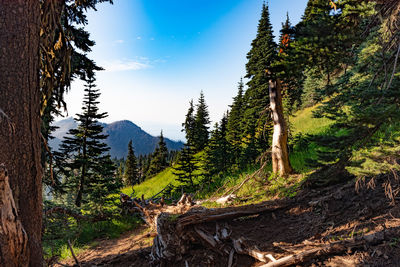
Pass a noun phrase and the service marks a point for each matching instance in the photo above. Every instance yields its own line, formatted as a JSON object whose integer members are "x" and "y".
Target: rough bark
{"x": 13, "y": 238}
{"x": 280, "y": 154}
{"x": 20, "y": 101}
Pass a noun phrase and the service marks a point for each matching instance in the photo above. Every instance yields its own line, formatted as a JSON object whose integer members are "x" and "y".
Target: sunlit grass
{"x": 153, "y": 185}
{"x": 304, "y": 122}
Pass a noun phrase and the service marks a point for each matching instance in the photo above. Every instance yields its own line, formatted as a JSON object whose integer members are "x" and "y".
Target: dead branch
{"x": 230, "y": 261}
{"x": 249, "y": 177}
{"x": 242, "y": 248}
{"x": 73, "y": 254}
{"x": 332, "y": 248}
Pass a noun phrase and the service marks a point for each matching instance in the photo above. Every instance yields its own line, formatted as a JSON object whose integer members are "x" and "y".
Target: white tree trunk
{"x": 280, "y": 153}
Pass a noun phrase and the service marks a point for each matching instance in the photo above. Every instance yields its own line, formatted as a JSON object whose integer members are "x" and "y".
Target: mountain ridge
{"x": 119, "y": 134}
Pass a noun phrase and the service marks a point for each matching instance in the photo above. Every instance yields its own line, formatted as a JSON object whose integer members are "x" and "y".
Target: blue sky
{"x": 159, "y": 54}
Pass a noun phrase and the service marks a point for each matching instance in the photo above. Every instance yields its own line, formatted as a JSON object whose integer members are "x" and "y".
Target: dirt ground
{"x": 313, "y": 217}
{"x": 131, "y": 249}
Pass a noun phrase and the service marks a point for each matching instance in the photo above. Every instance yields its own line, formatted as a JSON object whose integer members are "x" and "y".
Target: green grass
{"x": 268, "y": 186}
{"x": 157, "y": 183}
{"x": 303, "y": 122}
{"x": 153, "y": 185}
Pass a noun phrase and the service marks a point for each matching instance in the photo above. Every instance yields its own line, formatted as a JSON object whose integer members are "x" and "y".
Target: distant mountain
{"x": 119, "y": 134}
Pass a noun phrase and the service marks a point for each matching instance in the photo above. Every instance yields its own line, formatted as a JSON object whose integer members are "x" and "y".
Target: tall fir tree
{"x": 256, "y": 122}
{"x": 187, "y": 168}
{"x": 235, "y": 122}
{"x": 159, "y": 159}
{"x": 131, "y": 169}
{"x": 189, "y": 124}
{"x": 82, "y": 157}
{"x": 288, "y": 68}
{"x": 218, "y": 153}
{"x": 201, "y": 124}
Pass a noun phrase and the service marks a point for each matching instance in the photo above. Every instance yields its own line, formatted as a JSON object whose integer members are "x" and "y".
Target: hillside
{"x": 119, "y": 134}
{"x": 342, "y": 226}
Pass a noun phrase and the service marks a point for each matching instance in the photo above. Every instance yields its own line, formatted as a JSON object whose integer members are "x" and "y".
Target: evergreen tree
{"x": 82, "y": 157}
{"x": 326, "y": 38}
{"x": 289, "y": 69}
{"x": 140, "y": 169}
{"x": 187, "y": 168}
{"x": 365, "y": 99}
{"x": 131, "y": 168}
{"x": 159, "y": 159}
{"x": 256, "y": 122}
{"x": 235, "y": 121}
{"x": 201, "y": 122}
{"x": 189, "y": 124}
{"x": 218, "y": 152}
{"x": 120, "y": 171}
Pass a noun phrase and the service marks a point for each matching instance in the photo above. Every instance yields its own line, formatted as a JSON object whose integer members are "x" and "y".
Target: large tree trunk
{"x": 20, "y": 101}
{"x": 280, "y": 154}
{"x": 13, "y": 238}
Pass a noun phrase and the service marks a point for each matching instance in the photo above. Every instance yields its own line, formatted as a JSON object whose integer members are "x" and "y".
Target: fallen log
{"x": 207, "y": 215}
{"x": 327, "y": 249}
{"x": 242, "y": 248}
{"x": 177, "y": 233}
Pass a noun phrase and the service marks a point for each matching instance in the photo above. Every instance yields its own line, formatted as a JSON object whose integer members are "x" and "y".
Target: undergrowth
{"x": 82, "y": 235}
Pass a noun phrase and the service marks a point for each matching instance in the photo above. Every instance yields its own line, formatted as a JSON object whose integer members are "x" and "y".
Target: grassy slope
{"x": 301, "y": 122}
{"x": 153, "y": 185}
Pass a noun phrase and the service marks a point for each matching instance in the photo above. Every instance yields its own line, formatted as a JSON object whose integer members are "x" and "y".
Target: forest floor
{"x": 313, "y": 217}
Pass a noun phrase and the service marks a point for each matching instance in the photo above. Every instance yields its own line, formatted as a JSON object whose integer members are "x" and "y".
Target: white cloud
{"x": 125, "y": 65}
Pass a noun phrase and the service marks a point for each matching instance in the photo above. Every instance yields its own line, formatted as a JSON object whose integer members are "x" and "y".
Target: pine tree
{"x": 326, "y": 38}
{"x": 218, "y": 153}
{"x": 235, "y": 122}
{"x": 131, "y": 168}
{"x": 189, "y": 124}
{"x": 140, "y": 169}
{"x": 159, "y": 159}
{"x": 82, "y": 157}
{"x": 201, "y": 122}
{"x": 256, "y": 122}
{"x": 187, "y": 168}
{"x": 289, "y": 69}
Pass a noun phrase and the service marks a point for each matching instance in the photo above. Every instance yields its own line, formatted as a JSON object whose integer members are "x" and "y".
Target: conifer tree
{"x": 288, "y": 68}
{"x": 218, "y": 152}
{"x": 234, "y": 124}
{"x": 201, "y": 122}
{"x": 256, "y": 122}
{"x": 131, "y": 168}
{"x": 159, "y": 159}
{"x": 189, "y": 124}
{"x": 187, "y": 168}
{"x": 82, "y": 157}
{"x": 140, "y": 169}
